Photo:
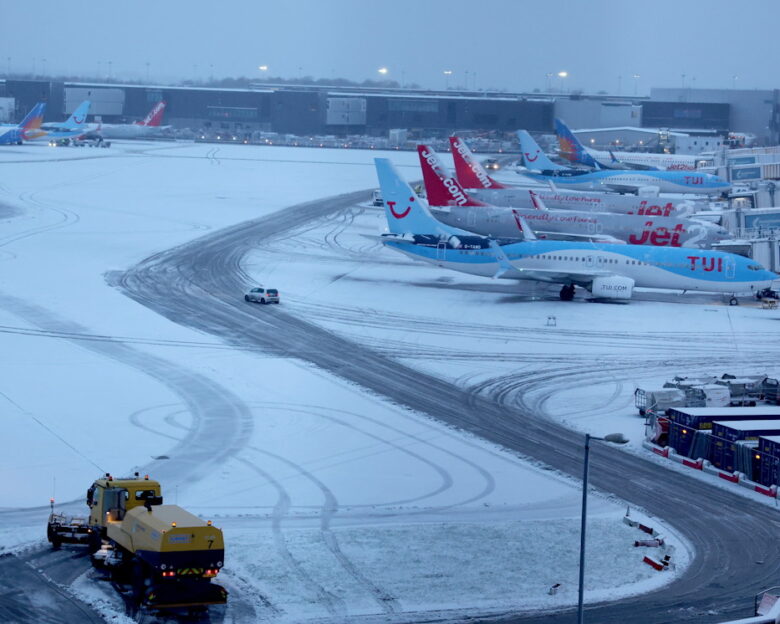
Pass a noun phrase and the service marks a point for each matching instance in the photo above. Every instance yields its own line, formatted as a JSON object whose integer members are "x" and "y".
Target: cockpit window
{"x": 755, "y": 267}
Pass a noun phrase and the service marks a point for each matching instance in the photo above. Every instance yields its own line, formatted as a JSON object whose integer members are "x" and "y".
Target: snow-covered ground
{"x": 339, "y": 503}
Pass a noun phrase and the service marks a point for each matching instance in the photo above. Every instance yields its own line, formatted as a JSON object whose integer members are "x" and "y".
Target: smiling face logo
{"x": 528, "y": 156}
{"x": 80, "y": 121}
{"x": 399, "y": 215}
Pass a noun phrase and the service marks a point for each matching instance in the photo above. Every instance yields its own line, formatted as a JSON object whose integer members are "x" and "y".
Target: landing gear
{"x": 733, "y": 301}
{"x": 567, "y": 292}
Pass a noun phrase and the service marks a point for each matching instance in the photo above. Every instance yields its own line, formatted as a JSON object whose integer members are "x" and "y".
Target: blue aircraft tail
{"x": 533, "y": 156}
{"x": 406, "y": 213}
{"x": 571, "y": 148}
{"x": 78, "y": 118}
{"x": 34, "y": 118}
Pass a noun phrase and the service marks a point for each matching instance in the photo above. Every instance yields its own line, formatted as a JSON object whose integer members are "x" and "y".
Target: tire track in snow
{"x": 209, "y": 280}
{"x": 221, "y": 421}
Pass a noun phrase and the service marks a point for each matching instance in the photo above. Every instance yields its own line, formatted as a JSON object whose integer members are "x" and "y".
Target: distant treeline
{"x": 226, "y": 83}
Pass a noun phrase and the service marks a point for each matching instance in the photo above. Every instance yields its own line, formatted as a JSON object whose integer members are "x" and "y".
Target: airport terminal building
{"x": 340, "y": 111}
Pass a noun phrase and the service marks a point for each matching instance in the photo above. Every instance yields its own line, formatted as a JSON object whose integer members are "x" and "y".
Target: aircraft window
{"x": 754, "y": 267}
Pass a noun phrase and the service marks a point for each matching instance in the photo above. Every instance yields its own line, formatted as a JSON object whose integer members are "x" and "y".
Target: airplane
{"x": 572, "y": 149}
{"x": 73, "y": 127}
{"x": 29, "y": 127}
{"x": 480, "y": 185}
{"x": 624, "y": 181}
{"x": 606, "y": 270}
{"x": 533, "y": 156}
{"x": 452, "y": 204}
{"x": 148, "y": 127}
{"x": 76, "y": 121}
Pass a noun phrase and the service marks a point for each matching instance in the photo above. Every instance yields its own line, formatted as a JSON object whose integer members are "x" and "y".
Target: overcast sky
{"x": 508, "y": 44}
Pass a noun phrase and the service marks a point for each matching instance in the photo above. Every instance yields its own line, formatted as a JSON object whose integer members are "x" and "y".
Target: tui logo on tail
{"x": 399, "y": 215}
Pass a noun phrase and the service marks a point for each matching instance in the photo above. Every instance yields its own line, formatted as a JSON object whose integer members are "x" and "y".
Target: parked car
{"x": 491, "y": 163}
{"x": 259, "y": 294}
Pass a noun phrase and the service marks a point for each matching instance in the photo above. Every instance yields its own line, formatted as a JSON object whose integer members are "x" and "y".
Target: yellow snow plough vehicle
{"x": 167, "y": 555}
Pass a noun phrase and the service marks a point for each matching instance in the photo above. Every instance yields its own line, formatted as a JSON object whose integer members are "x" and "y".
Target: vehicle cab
{"x": 110, "y": 499}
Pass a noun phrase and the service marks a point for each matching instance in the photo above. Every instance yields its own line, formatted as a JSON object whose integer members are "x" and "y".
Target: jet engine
{"x": 612, "y": 287}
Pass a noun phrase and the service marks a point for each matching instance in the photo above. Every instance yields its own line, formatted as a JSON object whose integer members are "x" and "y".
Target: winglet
{"x": 469, "y": 171}
{"x": 441, "y": 187}
{"x": 536, "y": 200}
{"x": 552, "y": 186}
{"x": 528, "y": 233}
{"x": 503, "y": 262}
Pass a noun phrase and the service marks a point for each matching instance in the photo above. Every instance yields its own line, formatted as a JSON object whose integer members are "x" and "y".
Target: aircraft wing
{"x": 64, "y": 133}
{"x": 580, "y": 278}
{"x": 583, "y": 238}
{"x": 508, "y": 270}
{"x": 621, "y": 188}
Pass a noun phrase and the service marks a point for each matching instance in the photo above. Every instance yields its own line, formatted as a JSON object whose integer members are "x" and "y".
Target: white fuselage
{"x": 571, "y": 262}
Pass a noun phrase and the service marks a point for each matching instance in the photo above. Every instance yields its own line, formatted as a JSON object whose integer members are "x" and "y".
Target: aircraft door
{"x": 590, "y": 261}
{"x": 441, "y": 249}
{"x": 729, "y": 268}
{"x": 595, "y": 227}
{"x": 471, "y": 217}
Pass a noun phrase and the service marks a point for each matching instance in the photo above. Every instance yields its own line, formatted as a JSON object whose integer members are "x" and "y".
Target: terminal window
{"x": 231, "y": 113}
{"x": 413, "y": 106}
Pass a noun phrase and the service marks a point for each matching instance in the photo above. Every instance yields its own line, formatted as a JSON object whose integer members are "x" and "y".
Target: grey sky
{"x": 500, "y": 43}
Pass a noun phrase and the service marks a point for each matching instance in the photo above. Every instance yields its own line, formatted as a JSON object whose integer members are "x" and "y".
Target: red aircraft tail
{"x": 154, "y": 118}
{"x": 470, "y": 172}
{"x": 442, "y": 188}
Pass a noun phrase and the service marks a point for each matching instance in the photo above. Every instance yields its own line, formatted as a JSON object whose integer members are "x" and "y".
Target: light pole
{"x": 636, "y": 78}
{"x": 615, "y": 438}
{"x": 383, "y": 71}
{"x": 562, "y": 75}
{"x": 447, "y": 73}
{"x": 549, "y": 76}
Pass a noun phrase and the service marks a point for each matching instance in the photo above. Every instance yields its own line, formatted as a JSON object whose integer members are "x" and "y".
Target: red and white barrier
{"x": 657, "y": 565}
{"x": 705, "y": 466}
{"x": 757, "y": 487}
{"x": 651, "y": 543}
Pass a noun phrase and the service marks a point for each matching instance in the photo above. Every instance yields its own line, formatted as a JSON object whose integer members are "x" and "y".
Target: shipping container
{"x": 747, "y": 459}
{"x": 725, "y": 434}
{"x": 769, "y": 460}
{"x": 687, "y": 424}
